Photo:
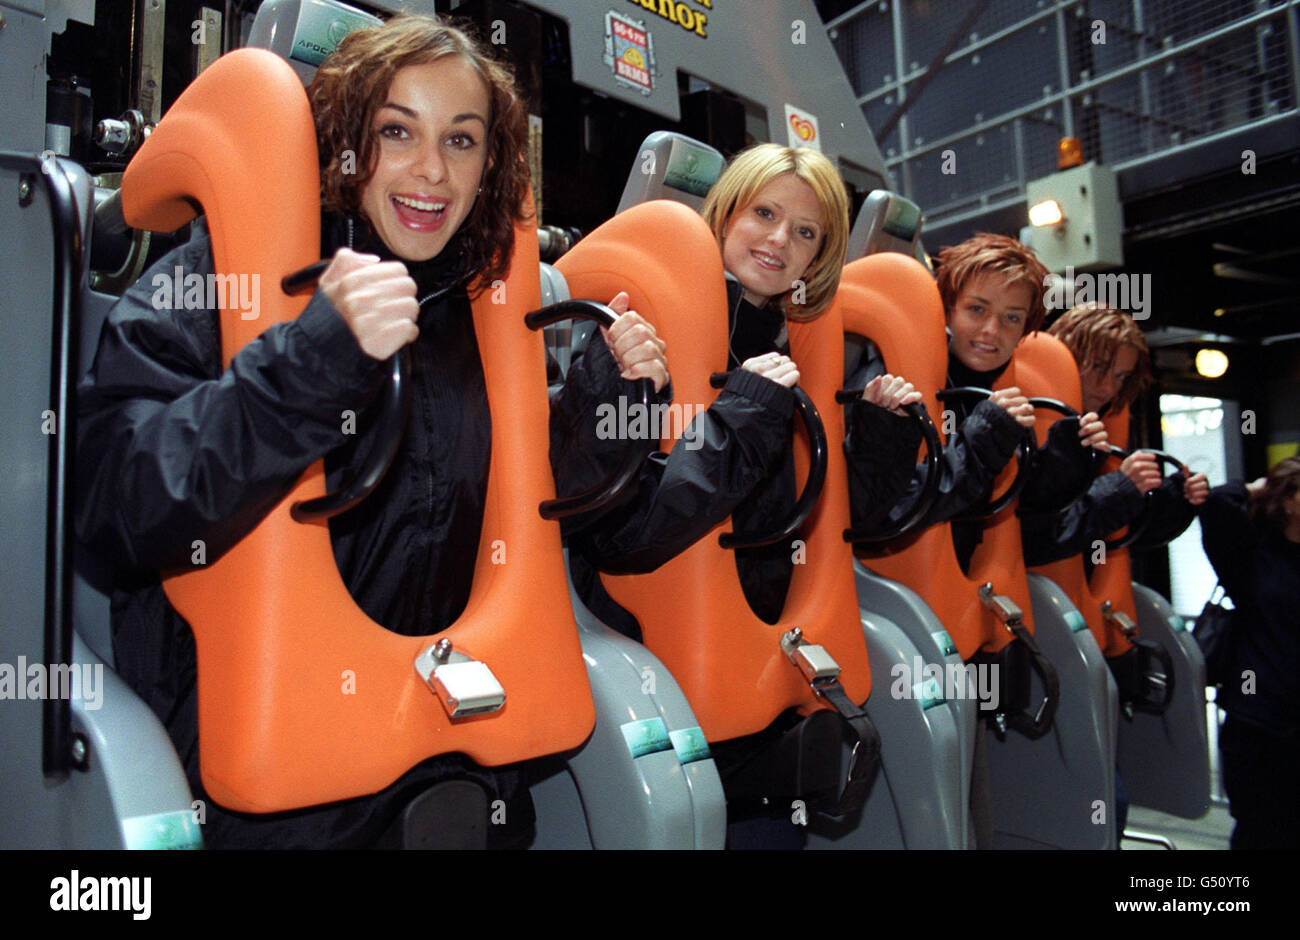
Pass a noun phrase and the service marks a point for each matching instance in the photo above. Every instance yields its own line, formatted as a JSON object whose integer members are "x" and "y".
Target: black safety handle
{"x": 1096, "y": 457}
{"x": 929, "y": 489}
{"x": 1159, "y": 705}
{"x": 394, "y": 407}
{"x": 1139, "y": 525}
{"x": 56, "y": 710}
{"x": 609, "y": 489}
{"x": 1040, "y": 722}
{"x": 807, "y": 413}
{"x": 1024, "y": 457}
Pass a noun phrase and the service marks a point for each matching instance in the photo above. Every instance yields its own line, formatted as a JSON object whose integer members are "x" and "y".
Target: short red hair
{"x": 959, "y": 264}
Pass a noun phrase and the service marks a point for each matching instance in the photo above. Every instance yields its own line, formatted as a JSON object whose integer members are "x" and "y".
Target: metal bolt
{"x": 792, "y": 636}
{"x": 442, "y": 650}
{"x": 24, "y": 190}
{"x": 1001, "y": 722}
{"x": 79, "y": 750}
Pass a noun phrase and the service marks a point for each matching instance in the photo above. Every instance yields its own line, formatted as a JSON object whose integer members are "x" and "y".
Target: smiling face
{"x": 771, "y": 242}
{"x": 431, "y": 149}
{"x": 1101, "y": 385}
{"x": 987, "y": 321}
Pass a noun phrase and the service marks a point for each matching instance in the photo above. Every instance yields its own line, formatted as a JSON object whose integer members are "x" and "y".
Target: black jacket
{"x": 1111, "y": 502}
{"x": 982, "y": 443}
{"x": 1260, "y": 570}
{"x": 738, "y": 462}
{"x": 173, "y": 449}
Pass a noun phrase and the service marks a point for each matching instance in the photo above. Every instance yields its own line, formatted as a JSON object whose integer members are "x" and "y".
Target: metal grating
{"x": 1134, "y": 79}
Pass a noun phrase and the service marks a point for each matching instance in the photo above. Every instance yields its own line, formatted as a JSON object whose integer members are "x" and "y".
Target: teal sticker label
{"x": 1075, "y": 621}
{"x": 321, "y": 28}
{"x": 928, "y": 692}
{"x": 1178, "y": 624}
{"x": 647, "y": 736}
{"x": 946, "y": 646}
{"x": 175, "y": 830}
{"x": 692, "y": 169}
{"x": 690, "y": 745}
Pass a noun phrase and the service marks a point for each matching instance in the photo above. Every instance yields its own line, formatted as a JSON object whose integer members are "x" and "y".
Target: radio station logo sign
{"x": 801, "y": 128}
{"x": 629, "y": 51}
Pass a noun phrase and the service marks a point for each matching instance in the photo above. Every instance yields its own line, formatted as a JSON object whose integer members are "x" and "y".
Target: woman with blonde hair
{"x": 781, "y": 219}
{"x": 780, "y": 215}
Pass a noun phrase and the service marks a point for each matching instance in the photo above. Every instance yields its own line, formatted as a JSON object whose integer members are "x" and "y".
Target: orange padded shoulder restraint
{"x": 302, "y": 698}
{"x": 892, "y": 300}
{"x": 692, "y": 610}
{"x": 1053, "y": 372}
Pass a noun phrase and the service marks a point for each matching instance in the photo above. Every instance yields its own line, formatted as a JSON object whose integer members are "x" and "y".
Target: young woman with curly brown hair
{"x": 420, "y": 137}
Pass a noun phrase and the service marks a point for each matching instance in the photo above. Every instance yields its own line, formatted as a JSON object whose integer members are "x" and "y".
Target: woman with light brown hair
{"x": 1251, "y": 534}
{"x": 1114, "y": 367}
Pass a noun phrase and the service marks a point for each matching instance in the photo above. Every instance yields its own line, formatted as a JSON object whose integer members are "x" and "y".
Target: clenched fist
{"x": 891, "y": 392}
{"x": 635, "y": 345}
{"x": 1016, "y": 405}
{"x": 376, "y": 299}
{"x": 780, "y": 369}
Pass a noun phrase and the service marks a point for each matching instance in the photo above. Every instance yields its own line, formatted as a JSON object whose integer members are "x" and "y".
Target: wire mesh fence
{"x": 1133, "y": 79}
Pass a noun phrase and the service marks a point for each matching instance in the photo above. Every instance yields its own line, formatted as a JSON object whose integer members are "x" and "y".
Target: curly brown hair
{"x": 351, "y": 85}
{"x": 1280, "y": 487}
{"x": 1094, "y": 333}
{"x": 958, "y": 264}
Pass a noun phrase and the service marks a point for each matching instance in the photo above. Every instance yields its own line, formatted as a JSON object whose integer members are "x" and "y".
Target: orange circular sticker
{"x": 802, "y": 127}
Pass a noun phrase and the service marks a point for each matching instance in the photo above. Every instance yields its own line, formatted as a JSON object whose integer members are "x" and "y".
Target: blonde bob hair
{"x": 740, "y": 184}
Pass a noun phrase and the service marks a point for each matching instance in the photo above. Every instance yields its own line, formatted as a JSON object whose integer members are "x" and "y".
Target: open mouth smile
{"x": 421, "y": 214}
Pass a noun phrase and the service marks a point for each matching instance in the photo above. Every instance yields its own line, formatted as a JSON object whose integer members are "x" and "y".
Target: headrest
{"x": 305, "y": 31}
{"x": 886, "y": 222}
{"x": 672, "y": 166}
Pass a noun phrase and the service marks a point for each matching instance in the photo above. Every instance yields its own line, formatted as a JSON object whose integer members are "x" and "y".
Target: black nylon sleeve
{"x": 680, "y": 496}
{"x": 1171, "y": 514}
{"x": 1111, "y": 502}
{"x": 1062, "y": 468}
{"x": 973, "y": 457}
{"x": 1231, "y": 541}
{"x": 880, "y": 448}
{"x": 172, "y": 449}
{"x": 584, "y": 408}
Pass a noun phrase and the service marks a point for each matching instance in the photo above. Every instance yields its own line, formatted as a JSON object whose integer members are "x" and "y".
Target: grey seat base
{"x": 921, "y": 797}
{"x": 643, "y": 780}
{"x": 1059, "y": 790}
{"x": 1165, "y": 759}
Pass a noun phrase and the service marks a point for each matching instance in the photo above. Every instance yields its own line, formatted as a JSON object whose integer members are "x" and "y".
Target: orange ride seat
{"x": 302, "y": 698}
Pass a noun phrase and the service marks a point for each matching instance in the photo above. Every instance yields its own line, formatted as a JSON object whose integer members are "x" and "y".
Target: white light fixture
{"x": 1047, "y": 212}
{"x": 1211, "y": 363}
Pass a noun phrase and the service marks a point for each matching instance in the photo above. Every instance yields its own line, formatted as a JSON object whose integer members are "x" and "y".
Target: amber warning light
{"x": 1069, "y": 152}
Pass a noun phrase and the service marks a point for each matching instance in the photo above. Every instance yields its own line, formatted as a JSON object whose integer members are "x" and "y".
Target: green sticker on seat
{"x": 690, "y": 745}
{"x": 1075, "y": 621}
{"x": 928, "y": 692}
{"x": 321, "y": 28}
{"x": 174, "y": 830}
{"x": 691, "y": 168}
{"x": 648, "y": 736}
{"x": 1178, "y": 624}
{"x": 946, "y": 646}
